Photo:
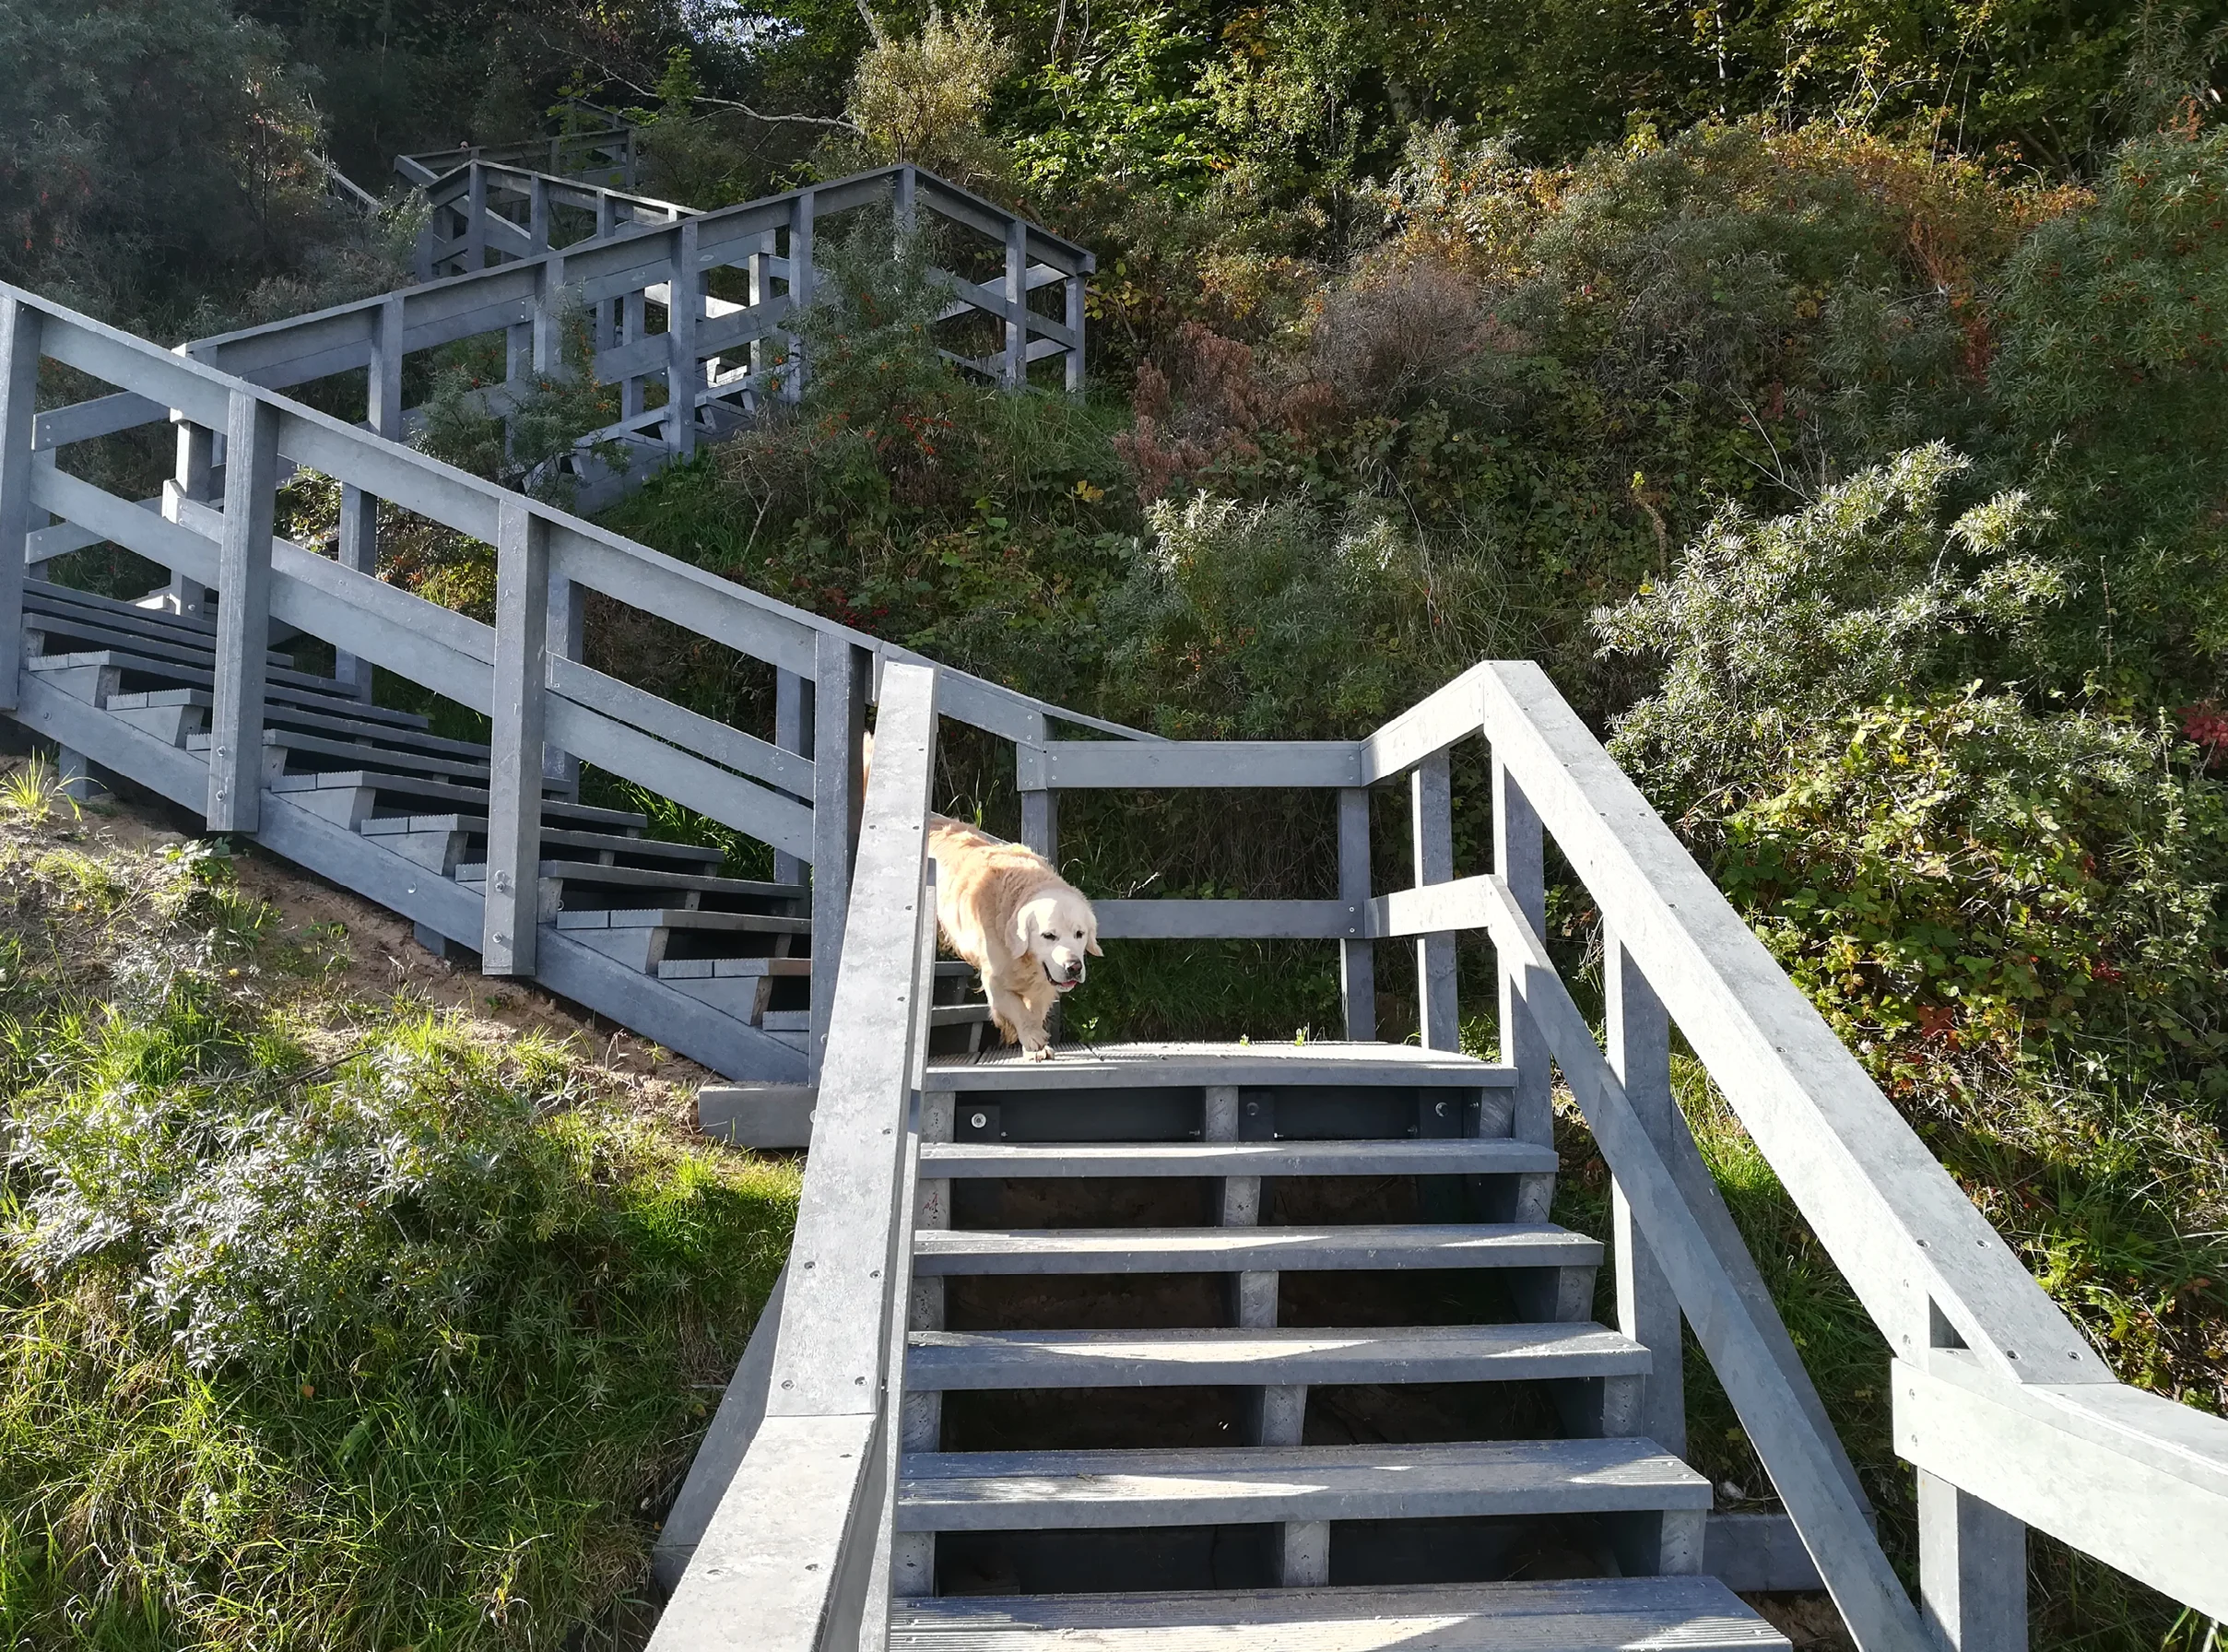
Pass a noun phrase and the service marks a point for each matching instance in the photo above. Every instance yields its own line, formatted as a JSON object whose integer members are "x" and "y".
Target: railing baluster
{"x": 537, "y": 211}
{"x": 196, "y": 482}
{"x": 1432, "y": 797}
{"x": 476, "y": 221}
{"x": 1647, "y": 1311}
{"x": 792, "y": 732}
{"x": 19, "y": 330}
{"x": 511, "y": 916}
{"x": 244, "y": 614}
{"x": 359, "y": 548}
{"x": 1016, "y": 371}
{"x": 1519, "y": 856}
{"x": 548, "y": 332}
{"x": 839, "y": 728}
{"x": 800, "y": 288}
{"x": 1071, "y": 311}
{"x": 1357, "y": 958}
{"x": 1972, "y": 1569}
{"x": 567, "y": 639}
{"x": 684, "y": 374}
{"x": 635, "y": 309}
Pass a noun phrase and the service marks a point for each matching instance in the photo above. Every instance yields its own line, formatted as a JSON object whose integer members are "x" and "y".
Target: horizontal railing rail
{"x": 213, "y": 531}
{"x": 2009, "y": 1415}
{"x": 796, "y": 1556}
{"x": 714, "y": 362}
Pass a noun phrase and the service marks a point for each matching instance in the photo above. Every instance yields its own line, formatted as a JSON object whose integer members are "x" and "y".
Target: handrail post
{"x": 904, "y": 209}
{"x": 548, "y": 332}
{"x": 537, "y": 208}
{"x": 1519, "y": 858}
{"x": 19, "y": 330}
{"x": 566, "y": 638}
{"x": 1357, "y": 958}
{"x": 1016, "y": 371}
{"x": 839, "y": 728}
{"x": 754, "y": 272}
{"x": 512, "y": 913}
{"x": 196, "y": 482}
{"x": 243, "y": 613}
{"x": 634, "y": 313}
{"x": 1647, "y": 1310}
{"x": 800, "y": 289}
{"x": 792, "y": 732}
{"x": 1040, "y": 820}
{"x": 359, "y": 541}
{"x": 1432, "y": 818}
{"x": 476, "y": 221}
{"x": 1071, "y": 311}
{"x": 684, "y": 374}
{"x": 1972, "y": 1569}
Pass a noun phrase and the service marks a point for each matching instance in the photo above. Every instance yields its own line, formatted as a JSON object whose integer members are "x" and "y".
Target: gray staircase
{"x": 644, "y": 931}
{"x": 1391, "y": 1421}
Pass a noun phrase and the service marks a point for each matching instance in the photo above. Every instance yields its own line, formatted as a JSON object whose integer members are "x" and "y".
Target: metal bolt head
{"x": 975, "y": 1121}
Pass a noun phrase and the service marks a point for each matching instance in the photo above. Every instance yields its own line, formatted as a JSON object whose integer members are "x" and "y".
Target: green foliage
{"x": 1767, "y": 627}
{"x": 551, "y": 412}
{"x": 150, "y": 153}
{"x": 922, "y": 98}
{"x": 1259, "y": 622}
{"x": 327, "y": 1322}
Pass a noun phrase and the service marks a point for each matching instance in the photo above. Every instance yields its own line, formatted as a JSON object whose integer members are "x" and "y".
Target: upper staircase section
{"x": 688, "y": 315}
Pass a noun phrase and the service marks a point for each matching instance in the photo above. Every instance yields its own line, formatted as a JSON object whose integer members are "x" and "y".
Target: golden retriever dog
{"x": 1025, "y": 928}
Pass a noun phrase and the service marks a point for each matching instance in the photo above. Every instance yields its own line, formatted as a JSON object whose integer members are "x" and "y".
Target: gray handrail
{"x": 798, "y": 1548}
{"x": 2009, "y": 1415}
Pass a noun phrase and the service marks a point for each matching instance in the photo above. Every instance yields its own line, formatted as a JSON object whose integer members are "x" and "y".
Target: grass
{"x": 327, "y": 1320}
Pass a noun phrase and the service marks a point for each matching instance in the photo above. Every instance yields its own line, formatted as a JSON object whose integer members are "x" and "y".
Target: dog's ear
{"x": 1093, "y": 948}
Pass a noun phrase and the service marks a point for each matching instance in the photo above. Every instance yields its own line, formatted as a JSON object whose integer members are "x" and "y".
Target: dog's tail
{"x": 866, "y": 759}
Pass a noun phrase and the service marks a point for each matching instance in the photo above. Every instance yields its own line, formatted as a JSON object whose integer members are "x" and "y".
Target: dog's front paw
{"x": 1037, "y": 1052}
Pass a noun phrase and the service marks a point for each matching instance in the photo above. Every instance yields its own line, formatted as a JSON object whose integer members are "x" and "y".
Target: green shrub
{"x": 328, "y": 1322}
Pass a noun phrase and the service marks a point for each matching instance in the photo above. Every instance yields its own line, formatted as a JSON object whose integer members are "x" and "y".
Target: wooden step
{"x": 286, "y": 686}
{"x": 648, "y": 849}
{"x": 349, "y": 755}
{"x": 443, "y": 791}
{"x": 708, "y": 969}
{"x": 1124, "y": 1066}
{"x": 672, "y": 917}
{"x": 589, "y": 874}
{"x": 1249, "y": 1249}
{"x": 121, "y": 625}
{"x": 372, "y": 728}
{"x": 63, "y": 634}
{"x": 943, "y": 1361}
{"x": 1622, "y": 1614}
{"x": 39, "y": 594}
{"x": 1036, "y": 1491}
{"x": 1492, "y": 1155}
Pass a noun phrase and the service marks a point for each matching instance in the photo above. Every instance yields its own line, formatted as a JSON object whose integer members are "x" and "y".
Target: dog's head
{"x": 1055, "y": 929}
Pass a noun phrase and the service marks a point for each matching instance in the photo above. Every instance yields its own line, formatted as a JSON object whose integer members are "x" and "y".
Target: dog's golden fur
{"x": 1006, "y": 910}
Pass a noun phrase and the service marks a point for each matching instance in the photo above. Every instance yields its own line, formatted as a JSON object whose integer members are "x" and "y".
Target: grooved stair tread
{"x": 372, "y": 727}
{"x": 568, "y": 839}
{"x": 417, "y": 786}
{"x": 1236, "y": 1249}
{"x": 1612, "y": 1614}
{"x": 1181, "y": 1358}
{"x": 1486, "y": 1155}
{"x": 751, "y": 923}
{"x": 703, "y": 883}
{"x": 291, "y": 686}
{"x": 1096, "y": 1067}
{"x": 1035, "y": 1491}
{"x": 710, "y": 969}
{"x": 382, "y": 758}
{"x": 40, "y": 594}
{"x": 130, "y": 629}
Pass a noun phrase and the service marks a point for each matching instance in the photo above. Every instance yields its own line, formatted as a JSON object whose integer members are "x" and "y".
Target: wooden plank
{"x": 741, "y": 1408}
{"x": 2132, "y": 1477}
{"x": 1365, "y": 1245}
{"x": 1184, "y": 1065}
{"x": 20, "y": 327}
{"x": 1519, "y": 862}
{"x": 410, "y": 479}
{"x": 102, "y": 416}
{"x": 1724, "y": 1301}
{"x": 44, "y": 544}
{"x": 687, "y": 596}
{"x": 749, "y": 808}
{"x": 1623, "y": 1614}
{"x": 763, "y": 1577}
{"x": 357, "y": 863}
{"x": 123, "y": 522}
{"x": 1227, "y": 920}
{"x": 1972, "y": 1569}
{"x": 684, "y": 310}
{"x": 244, "y": 616}
{"x": 1490, "y": 1155}
{"x": 1431, "y": 838}
{"x": 732, "y": 1048}
{"x": 787, "y": 770}
{"x": 1271, "y": 1356}
{"x": 838, "y": 729}
{"x": 1866, "y": 1183}
{"x": 1639, "y": 1041}
{"x": 1406, "y": 913}
{"x": 116, "y": 357}
{"x": 511, "y": 920}
{"x": 851, "y": 1234}
{"x": 1077, "y": 765}
{"x": 1432, "y": 724}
